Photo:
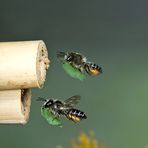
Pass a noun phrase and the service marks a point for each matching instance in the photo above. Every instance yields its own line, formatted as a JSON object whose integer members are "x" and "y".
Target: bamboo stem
{"x": 15, "y": 106}
{"x": 23, "y": 64}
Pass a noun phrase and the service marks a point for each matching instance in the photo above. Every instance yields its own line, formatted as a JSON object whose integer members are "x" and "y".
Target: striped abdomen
{"x": 76, "y": 115}
{"x": 92, "y": 69}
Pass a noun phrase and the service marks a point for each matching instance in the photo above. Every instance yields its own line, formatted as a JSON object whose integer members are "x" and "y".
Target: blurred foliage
{"x": 85, "y": 141}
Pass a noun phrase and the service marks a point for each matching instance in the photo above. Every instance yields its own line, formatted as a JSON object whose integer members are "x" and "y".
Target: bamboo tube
{"x": 15, "y": 106}
{"x": 23, "y": 64}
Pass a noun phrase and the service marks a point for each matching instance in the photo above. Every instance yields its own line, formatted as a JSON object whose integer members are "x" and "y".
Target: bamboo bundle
{"x": 23, "y": 65}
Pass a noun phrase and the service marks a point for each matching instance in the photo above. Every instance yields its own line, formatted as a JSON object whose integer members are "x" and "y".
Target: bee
{"x": 80, "y": 62}
{"x": 64, "y": 108}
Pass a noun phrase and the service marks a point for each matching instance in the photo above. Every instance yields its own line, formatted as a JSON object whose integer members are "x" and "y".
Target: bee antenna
{"x": 41, "y": 99}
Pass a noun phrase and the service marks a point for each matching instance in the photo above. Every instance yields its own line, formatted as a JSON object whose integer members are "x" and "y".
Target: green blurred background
{"x": 112, "y": 33}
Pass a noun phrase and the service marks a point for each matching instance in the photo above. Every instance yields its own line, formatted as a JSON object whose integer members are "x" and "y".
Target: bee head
{"x": 93, "y": 69}
{"x": 68, "y": 58}
{"x": 48, "y": 103}
{"x": 62, "y": 56}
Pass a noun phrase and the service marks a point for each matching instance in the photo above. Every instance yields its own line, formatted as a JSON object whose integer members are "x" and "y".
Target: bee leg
{"x": 81, "y": 69}
{"x": 73, "y": 120}
{"x": 56, "y": 116}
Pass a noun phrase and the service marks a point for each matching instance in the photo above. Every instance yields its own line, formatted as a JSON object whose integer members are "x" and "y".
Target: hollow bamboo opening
{"x": 15, "y": 106}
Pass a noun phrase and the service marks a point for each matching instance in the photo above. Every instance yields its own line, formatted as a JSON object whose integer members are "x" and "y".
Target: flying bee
{"x": 64, "y": 108}
{"x": 80, "y": 62}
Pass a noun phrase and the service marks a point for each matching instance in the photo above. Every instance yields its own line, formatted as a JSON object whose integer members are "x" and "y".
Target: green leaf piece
{"x": 50, "y": 117}
{"x": 73, "y": 72}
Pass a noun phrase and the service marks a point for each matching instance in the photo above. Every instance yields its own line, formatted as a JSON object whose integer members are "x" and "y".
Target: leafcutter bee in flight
{"x": 64, "y": 108}
{"x": 79, "y": 62}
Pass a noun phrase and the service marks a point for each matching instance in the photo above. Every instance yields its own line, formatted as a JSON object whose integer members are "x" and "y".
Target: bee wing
{"x": 72, "y": 100}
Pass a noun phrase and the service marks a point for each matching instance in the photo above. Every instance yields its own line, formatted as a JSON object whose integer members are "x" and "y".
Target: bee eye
{"x": 68, "y": 58}
{"x": 49, "y": 103}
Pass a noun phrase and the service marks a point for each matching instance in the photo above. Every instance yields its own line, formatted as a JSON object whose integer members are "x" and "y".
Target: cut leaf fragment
{"x": 50, "y": 117}
{"x": 73, "y": 72}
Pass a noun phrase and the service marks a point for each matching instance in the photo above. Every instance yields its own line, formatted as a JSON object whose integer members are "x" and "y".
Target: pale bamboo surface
{"x": 15, "y": 106}
{"x": 23, "y": 64}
